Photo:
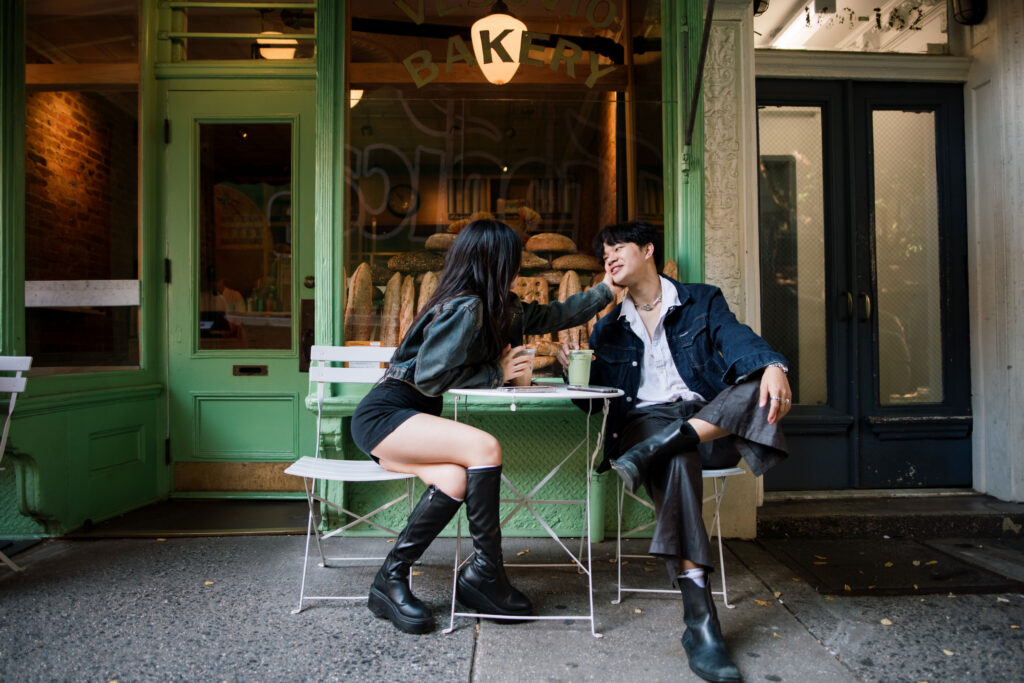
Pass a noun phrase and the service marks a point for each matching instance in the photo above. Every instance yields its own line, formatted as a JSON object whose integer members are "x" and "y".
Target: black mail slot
{"x": 249, "y": 371}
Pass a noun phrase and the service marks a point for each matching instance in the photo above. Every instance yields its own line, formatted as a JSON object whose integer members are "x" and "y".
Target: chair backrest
{"x": 12, "y": 385}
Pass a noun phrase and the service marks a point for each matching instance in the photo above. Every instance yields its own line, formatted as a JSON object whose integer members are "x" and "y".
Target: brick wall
{"x": 81, "y": 190}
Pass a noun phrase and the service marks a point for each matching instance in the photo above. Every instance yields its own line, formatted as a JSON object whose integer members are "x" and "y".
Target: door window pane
{"x": 245, "y": 236}
{"x": 792, "y": 235}
{"x": 907, "y": 258}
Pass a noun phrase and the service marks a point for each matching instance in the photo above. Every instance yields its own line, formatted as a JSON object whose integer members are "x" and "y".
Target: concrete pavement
{"x": 219, "y": 608}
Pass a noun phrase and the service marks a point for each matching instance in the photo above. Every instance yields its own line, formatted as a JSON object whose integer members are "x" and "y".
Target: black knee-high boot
{"x": 483, "y": 585}
{"x": 390, "y": 596}
{"x": 633, "y": 465}
{"x": 702, "y": 640}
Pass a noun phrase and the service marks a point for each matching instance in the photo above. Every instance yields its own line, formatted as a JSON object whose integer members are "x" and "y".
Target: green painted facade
{"x": 86, "y": 447}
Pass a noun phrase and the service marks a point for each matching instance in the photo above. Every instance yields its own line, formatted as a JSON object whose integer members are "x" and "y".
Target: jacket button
{"x": 634, "y": 364}
{"x": 615, "y": 436}
{"x": 629, "y": 399}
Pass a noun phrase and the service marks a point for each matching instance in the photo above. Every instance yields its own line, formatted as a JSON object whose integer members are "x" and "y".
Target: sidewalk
{"x": 219, "y": 608}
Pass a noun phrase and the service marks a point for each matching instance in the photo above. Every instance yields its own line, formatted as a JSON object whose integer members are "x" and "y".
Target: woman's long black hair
{"x": 483, "y": 260}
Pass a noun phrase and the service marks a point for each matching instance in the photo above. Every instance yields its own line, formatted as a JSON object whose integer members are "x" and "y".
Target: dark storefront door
{"x": 864, "y": 280}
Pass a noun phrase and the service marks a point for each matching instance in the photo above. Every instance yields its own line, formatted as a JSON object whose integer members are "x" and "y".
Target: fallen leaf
{"x": 391, "y": 540}
{"x": 611, "y": 560}
{"x": 888, "y": 564}
{"x": 777, "y": 594}
{"x": 916, "y": 563}
{"x": 159, "y": 540}
{"x": 885, "y": 622}
{"x": 931, "y": 563}
{"x": 820, "y": 557}
{"x": 1002, "y": 600}
{"x": 208, "y": 583}
{"x": 796, "y": 579}
{"x": 829, "y": 597}
{"x": 915, "y": 586}
{"x": 846, "y": 587}
{"x": 417, "y": 573}
{"x": 871, "y": 588}
{"x": 948, "y": 653}
{"x": 1014, "y": 626}
{"x": 625, "y": 562}
{"x": 820, "y": 563}
{"x": 649, "y": 569}
{"x": 637, "y": 610}
{"x": 763, "y": 603}
{"x": 522, "y": 552}
{"x": 651, "y": 563}
{"x": 776, "y": 635}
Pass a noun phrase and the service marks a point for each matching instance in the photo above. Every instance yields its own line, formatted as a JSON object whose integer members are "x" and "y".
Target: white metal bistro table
{"x": 544, "y": 392}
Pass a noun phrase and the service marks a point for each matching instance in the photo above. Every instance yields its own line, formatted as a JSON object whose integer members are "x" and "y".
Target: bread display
{"x": 671, "y": 269}
{"x": 578, "y": 262}
{"x": 359, "y": 305}
{"x": 416, "y": 262}
{"x": 440, "y": 241}
{"x": 574, "y": 335}
{"x": 531, "y": 261}
{"x": 550, "y": 242}
{"x": 552, "y": 277}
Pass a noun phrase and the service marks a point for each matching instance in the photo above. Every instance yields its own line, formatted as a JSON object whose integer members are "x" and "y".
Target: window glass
{"x": 265, "y": 31}
{"x": 81, "y": 186}
{"x": 911, "y": 26}
{"x": 564, "y": 140}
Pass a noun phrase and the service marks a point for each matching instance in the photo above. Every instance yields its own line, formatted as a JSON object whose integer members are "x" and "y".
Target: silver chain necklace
{"x": 650, "y": 306}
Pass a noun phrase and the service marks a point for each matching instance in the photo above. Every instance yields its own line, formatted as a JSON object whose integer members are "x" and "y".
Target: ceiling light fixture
{"x": 276, "y": 48}
{"x": 354, "y": 95}
{"x": 501, "y": 34}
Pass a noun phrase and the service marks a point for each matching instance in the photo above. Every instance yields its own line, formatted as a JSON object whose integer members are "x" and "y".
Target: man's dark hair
{"x": 637, "y": 232}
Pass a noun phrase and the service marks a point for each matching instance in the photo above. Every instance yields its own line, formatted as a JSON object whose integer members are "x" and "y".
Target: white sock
{"x": 696, "y": 575}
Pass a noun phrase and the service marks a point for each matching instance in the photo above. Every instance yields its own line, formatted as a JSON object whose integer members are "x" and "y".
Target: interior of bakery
{"x": 571, "y": 141}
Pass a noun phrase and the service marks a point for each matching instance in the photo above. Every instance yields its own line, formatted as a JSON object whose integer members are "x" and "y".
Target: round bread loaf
{"x": 577, "y": 262}
{"x": 440, "y": 241}
{"x": 552, "y": 277}
{"x": 550, "y": 242}
{"x": 416, "y": 262}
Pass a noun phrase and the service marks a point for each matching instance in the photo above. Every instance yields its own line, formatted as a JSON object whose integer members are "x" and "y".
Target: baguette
{"x": 359, "y": 305}
{"x": 427, "y": 288}
{"x": 407, "y": 308}
{"x": 574, "y": 335}
{"x": 392, "y": 308}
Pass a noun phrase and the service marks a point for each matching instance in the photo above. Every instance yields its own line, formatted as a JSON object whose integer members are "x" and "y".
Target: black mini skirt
{"x": 387, "y": 406}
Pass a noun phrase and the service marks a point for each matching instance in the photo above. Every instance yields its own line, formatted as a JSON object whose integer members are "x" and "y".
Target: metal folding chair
{"x": 357, "y": 364}
{"x": 718, "y": 478}
{"x": 11, "y": 385}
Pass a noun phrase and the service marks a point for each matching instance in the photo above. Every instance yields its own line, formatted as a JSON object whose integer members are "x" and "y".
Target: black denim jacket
{"x": 710, "y": 348}
{"x": 445, "y": 348}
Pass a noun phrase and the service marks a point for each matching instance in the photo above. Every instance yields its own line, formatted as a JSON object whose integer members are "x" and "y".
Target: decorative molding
{"x": 860, "y": 66}
{"x": 722, "y": 219}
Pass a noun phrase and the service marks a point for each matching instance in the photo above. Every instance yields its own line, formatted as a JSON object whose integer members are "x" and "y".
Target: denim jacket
{"x": 445, "y": 348}
{"x": 711, "y": 350}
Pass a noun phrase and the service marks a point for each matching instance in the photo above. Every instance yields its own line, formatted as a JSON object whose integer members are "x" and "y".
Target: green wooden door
{"x": 239, "y": 240}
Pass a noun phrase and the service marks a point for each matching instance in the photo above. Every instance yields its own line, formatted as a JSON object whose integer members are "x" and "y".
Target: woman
{"x": 467, "y": 335}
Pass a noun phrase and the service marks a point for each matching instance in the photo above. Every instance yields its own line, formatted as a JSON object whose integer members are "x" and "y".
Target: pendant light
{"x": 501, "y": 29}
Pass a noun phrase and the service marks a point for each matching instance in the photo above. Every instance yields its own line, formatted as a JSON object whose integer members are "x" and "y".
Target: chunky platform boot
{"x": 483, "y": 585}
{"x": 390, "y": 596}
{"x": 633, "y": 465}
{"x": 702, "y": 639}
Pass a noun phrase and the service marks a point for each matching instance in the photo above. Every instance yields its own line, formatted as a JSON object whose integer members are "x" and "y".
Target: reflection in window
{"x": 245, "y": 236}
{"x": 81, "y": 188}
{"x": 432, "y": 144}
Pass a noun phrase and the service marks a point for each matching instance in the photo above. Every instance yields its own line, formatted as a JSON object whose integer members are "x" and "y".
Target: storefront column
{"x": 12, "y": 174}
{"x": 730, "y": 200}
{"x": 994, "y": 107}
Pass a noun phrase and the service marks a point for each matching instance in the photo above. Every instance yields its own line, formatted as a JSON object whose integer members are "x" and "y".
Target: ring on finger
{"x": 776, "y": 398}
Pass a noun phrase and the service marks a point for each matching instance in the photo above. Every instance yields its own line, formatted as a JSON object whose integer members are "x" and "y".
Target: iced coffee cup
{"x": 525, "y": 379}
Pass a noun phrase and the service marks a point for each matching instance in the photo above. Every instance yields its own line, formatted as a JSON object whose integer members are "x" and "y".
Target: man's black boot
{"x": 390, "y": 596}
{"x": 483, "y": 585}
{"x": 702, "y": 639}
{"x": 633, "y": 465}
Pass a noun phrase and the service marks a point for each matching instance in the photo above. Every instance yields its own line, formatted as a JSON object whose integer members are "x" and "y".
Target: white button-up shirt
{"x": 659, "y": 379}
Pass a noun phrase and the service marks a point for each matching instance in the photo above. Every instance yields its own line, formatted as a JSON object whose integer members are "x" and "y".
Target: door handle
{"x": 846, "y": 306}
{"x": 866, "y": 310}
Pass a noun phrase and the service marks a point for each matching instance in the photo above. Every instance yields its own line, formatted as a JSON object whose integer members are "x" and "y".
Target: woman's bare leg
{"x": 438, "y": 451}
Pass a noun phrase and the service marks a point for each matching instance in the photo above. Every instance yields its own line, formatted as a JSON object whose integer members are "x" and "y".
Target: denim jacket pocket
{"x": 695, "y": 341}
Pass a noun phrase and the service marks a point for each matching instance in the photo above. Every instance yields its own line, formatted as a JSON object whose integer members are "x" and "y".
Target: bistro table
{"x": 527, "y": 500}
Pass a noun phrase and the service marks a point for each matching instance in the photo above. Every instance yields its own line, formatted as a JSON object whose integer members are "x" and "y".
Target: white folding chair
{"x": 718, "y": 478}
{"x": 11, "y": 386}
{"x": 364, "y": 365}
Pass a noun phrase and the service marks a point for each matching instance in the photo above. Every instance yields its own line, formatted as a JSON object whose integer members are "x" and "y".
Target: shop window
{"x": 910, "y": 26}
{"x": 568, "y": 142}
{"x": 81, "y": 186}
{"x": 240, "y": 31}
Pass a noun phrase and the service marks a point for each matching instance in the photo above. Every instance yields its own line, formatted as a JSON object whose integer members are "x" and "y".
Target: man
{"x": 691, "y": 374}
